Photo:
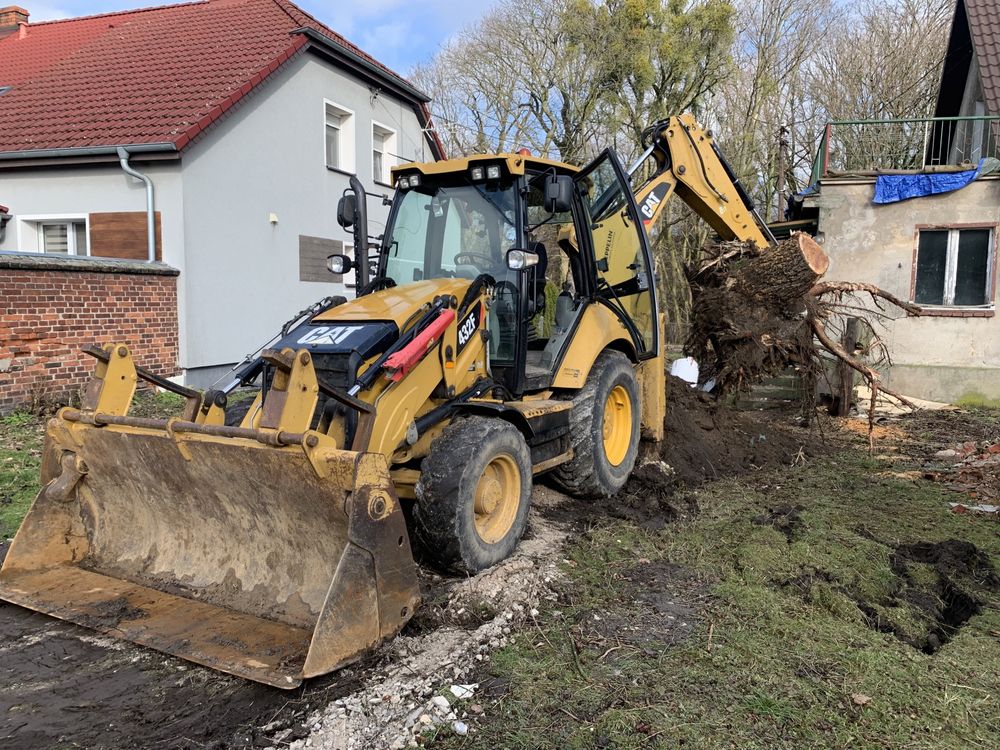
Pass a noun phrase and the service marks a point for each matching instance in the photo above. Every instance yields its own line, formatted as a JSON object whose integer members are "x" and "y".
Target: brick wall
{"x": 52, "y": 307}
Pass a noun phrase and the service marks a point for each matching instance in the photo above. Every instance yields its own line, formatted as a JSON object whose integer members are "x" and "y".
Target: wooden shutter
{"x": 313, "y": 252}
{"x": 122, "y": 234}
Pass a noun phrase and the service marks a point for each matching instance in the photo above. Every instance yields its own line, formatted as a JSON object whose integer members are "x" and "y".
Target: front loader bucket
{"x": 269, "y": 562}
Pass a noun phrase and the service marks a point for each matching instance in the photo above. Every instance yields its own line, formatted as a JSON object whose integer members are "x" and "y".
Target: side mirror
{"x": 347, "y": 208}
{"x": 339, "y": 264}
{"x": 558, "y": 193}
{"x": 519, "y": 260}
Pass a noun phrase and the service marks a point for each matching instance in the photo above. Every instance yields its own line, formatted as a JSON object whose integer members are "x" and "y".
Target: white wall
{"x": 241, "y": 273}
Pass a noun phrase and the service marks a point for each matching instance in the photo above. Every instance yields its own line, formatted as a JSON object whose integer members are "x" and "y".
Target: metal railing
{"x": 920, "y": 144}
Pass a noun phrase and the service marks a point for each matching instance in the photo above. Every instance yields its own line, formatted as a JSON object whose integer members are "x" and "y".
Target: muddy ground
{"x": 62, "y": 686}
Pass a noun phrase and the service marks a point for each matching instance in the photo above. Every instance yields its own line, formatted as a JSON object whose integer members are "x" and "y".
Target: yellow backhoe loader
{"x": 278, "y": 548}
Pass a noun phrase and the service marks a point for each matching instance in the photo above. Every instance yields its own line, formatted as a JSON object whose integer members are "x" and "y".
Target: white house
{"x": 242, "y": 119}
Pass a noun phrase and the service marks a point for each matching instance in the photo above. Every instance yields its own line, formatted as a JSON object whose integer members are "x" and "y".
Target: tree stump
{"x": 747, "y": 309}
{"x": 784, "y": 272}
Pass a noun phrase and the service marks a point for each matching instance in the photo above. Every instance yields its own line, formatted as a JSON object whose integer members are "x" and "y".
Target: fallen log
{"x": 747, "y": 309}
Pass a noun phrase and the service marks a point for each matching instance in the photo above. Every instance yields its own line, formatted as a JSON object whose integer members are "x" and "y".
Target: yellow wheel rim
{"x": 617, "y": 425}
{"x": 498, "y": 493}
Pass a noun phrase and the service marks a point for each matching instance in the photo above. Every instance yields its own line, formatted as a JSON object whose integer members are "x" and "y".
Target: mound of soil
{"x": 707, "y": 440}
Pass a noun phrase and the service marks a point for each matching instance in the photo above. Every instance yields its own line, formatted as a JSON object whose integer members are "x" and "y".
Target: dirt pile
{"x": 707, "y": 440}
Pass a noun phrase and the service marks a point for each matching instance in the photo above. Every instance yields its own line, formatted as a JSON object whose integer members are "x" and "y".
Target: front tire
{"x": 473, "y": 495}
{"x": 604, "y": 430}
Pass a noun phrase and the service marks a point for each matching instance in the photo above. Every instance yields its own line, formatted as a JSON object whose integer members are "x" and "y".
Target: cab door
{"x": 613, "y": 238}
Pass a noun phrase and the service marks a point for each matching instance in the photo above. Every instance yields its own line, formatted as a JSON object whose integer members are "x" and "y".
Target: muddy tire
{"x": 473, "y": 495}
{"x": 236, "y": 412}
{"x": 604, "y": 430}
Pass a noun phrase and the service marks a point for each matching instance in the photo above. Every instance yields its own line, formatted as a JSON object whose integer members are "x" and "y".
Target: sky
{"x": 399, "y": 33}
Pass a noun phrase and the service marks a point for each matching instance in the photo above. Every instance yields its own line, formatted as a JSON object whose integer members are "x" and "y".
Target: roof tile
{"x": 152, "y": 75}
{"x": 984, "y": 26}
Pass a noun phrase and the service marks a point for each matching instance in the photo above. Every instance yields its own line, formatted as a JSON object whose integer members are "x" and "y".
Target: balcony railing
{"x": 922, "y": 144}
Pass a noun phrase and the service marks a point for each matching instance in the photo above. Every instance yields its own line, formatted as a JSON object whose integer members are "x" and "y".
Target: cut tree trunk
{"x": 784, "y": 272}
{"x": 748, "y": 308}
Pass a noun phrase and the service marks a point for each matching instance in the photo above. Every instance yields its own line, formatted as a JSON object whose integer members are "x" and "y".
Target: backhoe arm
{"x": 690, "y": 164}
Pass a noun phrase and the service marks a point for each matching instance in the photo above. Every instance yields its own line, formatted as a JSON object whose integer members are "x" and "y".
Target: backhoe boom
{"x": 689, "y": 163}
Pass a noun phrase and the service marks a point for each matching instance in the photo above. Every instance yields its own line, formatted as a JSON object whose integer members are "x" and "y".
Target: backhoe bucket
{"x": 271, "y": 562}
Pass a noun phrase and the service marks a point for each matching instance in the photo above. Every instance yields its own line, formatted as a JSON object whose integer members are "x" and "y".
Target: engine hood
{"x": 366, "y": 327}
{"x": 396, "y": 304}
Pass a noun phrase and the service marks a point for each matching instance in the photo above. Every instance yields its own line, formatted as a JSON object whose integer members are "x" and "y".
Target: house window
{"x": 56, "y": 236}
{"x": 383, "y": 152}
{"x": 954, "y": 267}
{"x": 339, "y": 130}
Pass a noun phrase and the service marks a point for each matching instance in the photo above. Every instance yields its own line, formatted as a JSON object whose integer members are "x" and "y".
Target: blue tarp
{"x": 890, "y": 188}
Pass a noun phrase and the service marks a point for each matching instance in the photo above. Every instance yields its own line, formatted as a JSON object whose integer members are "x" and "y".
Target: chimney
{"x": 13, "y": 18}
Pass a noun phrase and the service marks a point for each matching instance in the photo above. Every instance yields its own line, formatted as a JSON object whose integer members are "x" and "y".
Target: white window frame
{"x": 389, "y": 151}
{"x": 951, "y": 265}
{"x": 30, "y": 239}
{"x": 346, "y": 141}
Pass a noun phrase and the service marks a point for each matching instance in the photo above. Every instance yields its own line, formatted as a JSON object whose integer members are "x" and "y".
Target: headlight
{"x": 414, "y": 179}
{"x": 478, "y": 174}
{"x": 518, "y": 260}
{"x": 493, "y": 172}
{"x": 403, "y": 183}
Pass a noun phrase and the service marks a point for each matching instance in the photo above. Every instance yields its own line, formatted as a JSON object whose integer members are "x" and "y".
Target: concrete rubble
{"x": 424, "y": 686}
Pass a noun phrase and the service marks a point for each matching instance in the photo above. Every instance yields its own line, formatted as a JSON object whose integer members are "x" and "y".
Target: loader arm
{"x": 689, "y": 163}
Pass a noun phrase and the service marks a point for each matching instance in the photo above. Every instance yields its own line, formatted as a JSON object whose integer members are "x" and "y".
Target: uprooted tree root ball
{"x": 755, "y": 312}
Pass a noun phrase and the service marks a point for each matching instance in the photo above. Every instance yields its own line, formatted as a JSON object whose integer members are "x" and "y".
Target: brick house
{"x": 169, "y": 177}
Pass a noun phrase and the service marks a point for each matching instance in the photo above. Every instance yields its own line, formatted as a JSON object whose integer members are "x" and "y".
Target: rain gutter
{"x": 123, "y": 157}
{"x": 48, "y": 153}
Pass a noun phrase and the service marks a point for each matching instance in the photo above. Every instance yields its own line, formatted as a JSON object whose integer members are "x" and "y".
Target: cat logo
{"x": 652, "y": 203}
{"x": 328, "y": 335}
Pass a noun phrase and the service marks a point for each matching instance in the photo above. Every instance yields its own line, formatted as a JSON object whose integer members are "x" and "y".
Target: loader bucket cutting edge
{"x": 238, "y": 556}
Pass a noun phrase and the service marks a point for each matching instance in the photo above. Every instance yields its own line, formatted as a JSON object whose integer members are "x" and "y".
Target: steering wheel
{"x": 506, "y": 291}
{"x": 469, "y": 259}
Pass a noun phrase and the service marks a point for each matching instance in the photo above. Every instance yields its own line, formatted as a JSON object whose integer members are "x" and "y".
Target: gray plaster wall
{"x": 241, "y": 272}
{"x": 937, "y": 358}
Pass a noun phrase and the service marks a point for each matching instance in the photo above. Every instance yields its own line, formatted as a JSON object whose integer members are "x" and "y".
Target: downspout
{"x": 123, "y": 157}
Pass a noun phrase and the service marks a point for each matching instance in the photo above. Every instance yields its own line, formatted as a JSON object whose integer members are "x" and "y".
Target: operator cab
{"x": 552, "y": 239}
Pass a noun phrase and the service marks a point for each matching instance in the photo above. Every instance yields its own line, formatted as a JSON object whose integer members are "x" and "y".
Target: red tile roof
{"x": 155, "y": 75}
{"x": 984, "y": 27}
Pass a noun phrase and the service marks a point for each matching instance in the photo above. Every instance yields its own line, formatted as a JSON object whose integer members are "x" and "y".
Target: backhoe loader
{"x": 278, "y": 548}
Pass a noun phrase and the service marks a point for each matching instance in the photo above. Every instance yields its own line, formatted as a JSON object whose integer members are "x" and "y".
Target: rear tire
{"x": 473, "y": 495}
{"x": 604, "y": 430}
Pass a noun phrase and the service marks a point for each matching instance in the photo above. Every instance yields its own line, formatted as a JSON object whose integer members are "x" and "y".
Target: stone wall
{"x": 52, "y": 307}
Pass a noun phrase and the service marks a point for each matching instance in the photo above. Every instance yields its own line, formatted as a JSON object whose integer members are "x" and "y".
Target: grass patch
{"x": 21, "y": 438}
{"x": 804, "y": 634}
{"x": 975, "y": 399}
{"x": 20, "y": 459}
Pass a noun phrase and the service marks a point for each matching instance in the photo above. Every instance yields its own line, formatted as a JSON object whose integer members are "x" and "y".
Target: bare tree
{"x": 883, "y": 63}
{"x": 569, "y": 77}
